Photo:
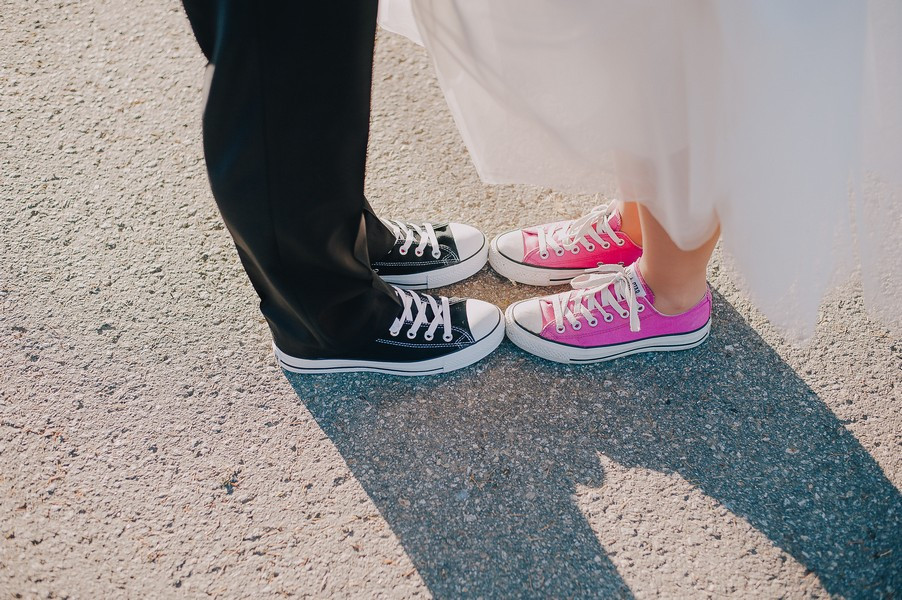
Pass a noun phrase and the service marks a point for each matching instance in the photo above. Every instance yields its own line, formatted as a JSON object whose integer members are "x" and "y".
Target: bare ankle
{"x": 674, "y": 295}
{"x": 677, "y": 303}
{"x": 630, "y": 224}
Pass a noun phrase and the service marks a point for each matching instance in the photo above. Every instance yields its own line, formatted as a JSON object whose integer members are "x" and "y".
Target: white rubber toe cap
{"x": 469, "y": 240}
{"x": 483, "y": 318}
{"x": 510, "y": 244}
{"x": 528, "y": 315}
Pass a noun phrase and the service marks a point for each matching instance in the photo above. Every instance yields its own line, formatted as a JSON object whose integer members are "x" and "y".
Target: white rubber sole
{"x": 444, "y": 276}
{"x": 435, "y": 366}
{"x": 521, "y": 273}
{"x": 563, "y": 353}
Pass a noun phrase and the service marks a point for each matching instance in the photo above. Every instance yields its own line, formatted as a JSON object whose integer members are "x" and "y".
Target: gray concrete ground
{"x": 149, "y": 446}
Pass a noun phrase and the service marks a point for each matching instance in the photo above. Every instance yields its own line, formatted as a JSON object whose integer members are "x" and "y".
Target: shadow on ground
{"x": 475, "y": 471}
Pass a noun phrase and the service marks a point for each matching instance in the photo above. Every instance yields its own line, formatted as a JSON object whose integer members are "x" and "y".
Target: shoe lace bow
{"x": 583, "y": 230}
{"x": 594, "y": 292}
{"x": 417, "y": 308}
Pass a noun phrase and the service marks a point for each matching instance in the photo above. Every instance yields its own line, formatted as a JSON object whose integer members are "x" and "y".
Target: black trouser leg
{"x": 285, "y": 134}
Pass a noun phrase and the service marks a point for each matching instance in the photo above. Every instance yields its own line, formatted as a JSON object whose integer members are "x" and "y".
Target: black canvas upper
{"x": 394, "y": 263}
{"x": 401, "y": 348}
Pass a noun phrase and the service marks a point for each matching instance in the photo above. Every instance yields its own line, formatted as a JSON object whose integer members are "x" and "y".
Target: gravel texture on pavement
{"x": 149, "y": 446}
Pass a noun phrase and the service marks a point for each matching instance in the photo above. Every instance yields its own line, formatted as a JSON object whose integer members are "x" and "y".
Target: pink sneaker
{"x": 599, "y": 320}
{"x": 555, "y": 253}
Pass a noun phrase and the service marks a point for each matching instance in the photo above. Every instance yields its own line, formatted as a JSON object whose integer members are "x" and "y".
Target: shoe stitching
{"x": 410, "y": 264}
{"x": 452, "y": 256}
{"x": 424, "y": 345}
{"x": 469, "y": 339}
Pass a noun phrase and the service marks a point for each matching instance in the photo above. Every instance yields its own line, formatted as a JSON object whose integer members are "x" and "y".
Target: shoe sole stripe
{"x": 445, "y": 276}
{"x": 434, "y": 366}
{"x": 565, "y": 353}
{"x": 324, "y": 370}
{"x": 664, "y": 348}
{"x": 527, "y": 274}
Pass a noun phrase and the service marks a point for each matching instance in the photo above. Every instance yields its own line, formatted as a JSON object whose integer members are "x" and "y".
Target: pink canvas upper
{"x": 584, "y": 258}
{"x": 652, "y": 323}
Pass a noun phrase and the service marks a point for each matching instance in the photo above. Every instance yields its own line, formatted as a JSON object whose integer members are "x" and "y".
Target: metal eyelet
{"x": 575, "y": 249}
{"x": 593, "y": 322}
{"x": 559, "y": 251}
{"x": 608, "y": 318}
{"x": 576, "y": 326}
{"x": 561, "y": 329}
{"x": 393, "y": 333}
{"x": 428, "y": 337}
{"x": 590, "y": 247}
{"x": 640, "y": 308}
{"x": 402, "y": 251}
{"x": 436, "y": 255}
{"x": 411, "y": 334}
{"x": 543, "y": 254}
{"x": 448, "y": 337}
{"x": 620, "y": 242}
{"x": 624, "y": 315}
{"x": 605, "y": 245}
{"x": 418, "y": 252}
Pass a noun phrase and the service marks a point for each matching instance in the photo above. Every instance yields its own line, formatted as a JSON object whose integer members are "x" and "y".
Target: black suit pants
{"x": 285, "y": 128}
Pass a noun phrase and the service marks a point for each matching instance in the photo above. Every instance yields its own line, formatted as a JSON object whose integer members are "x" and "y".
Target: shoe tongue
{"x": 639, "y": 285}
{"x": 614, "y": 221}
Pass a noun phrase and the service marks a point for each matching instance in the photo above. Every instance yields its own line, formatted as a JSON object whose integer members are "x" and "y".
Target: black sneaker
{"x": 433, "y": 334}
{"x": 430, "y": 256}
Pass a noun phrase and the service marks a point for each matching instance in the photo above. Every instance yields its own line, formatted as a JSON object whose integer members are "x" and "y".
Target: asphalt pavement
{"x": 149, "y": 446}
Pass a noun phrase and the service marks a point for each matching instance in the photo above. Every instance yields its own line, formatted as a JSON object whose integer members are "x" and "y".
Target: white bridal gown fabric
{"x": 781, "y": 120}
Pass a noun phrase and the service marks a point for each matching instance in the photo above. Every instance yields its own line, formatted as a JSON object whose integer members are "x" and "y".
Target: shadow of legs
{"x": 472, "y": 485}
{"x": 475, "y": 471}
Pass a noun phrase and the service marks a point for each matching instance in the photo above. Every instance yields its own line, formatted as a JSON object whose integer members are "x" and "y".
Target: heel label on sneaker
{"x": 638, "y": 288}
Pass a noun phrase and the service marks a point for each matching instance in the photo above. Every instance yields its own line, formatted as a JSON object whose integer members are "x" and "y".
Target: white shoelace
{"x": 580, "y": 231}
{"x": 409, "y": 233}
{"x": 608, "y": 283}
{"x": 415, "y": 306}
